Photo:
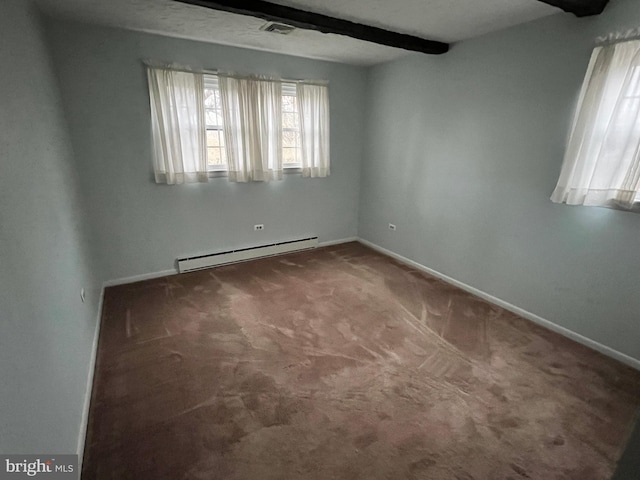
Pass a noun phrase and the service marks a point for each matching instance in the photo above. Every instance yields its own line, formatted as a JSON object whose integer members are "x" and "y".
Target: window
{"x": 291, "y": 149}
{"x": 250, "y": 128}
{"x": 216, "y": 153}
{"x": 602, "y": 163}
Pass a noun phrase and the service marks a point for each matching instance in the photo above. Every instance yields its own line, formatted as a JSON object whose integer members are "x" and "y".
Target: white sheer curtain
{"x": 313, "y": 108}
{"x": 252, "y": 114}
{"x": 178, "y": 125}
{"x": 602, "y": 163}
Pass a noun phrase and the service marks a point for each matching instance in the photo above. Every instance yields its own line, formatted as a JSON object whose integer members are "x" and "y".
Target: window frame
{"x": 221, "y": 170}
{"x": 603, "y": 141}
{"x": 289, "y": 90}
{"x": 211, "y": 83}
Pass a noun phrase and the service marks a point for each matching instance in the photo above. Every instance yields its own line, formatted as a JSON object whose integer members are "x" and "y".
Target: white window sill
{"x": 634, "y": 209}
{"x": 225, "y": 173}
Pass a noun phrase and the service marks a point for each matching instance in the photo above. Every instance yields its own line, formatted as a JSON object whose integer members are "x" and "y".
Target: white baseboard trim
{"x": 139, "y": 278}
{"x": 337, "y": 242}
{"x": 84, "y": 424}
{"x": 164, "y": 273}
{"x": 610, "y": 352}
{"x": 94, "y": 349}
{"x": 626, "y": 359}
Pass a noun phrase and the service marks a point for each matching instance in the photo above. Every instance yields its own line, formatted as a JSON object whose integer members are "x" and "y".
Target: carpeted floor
{"x": 340, "y": 363}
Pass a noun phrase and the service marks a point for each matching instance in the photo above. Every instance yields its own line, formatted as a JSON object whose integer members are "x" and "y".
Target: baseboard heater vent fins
{"x": 190, "y": 264}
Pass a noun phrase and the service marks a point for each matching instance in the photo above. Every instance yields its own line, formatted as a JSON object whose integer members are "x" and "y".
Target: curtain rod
{"x": 183, "y": 68}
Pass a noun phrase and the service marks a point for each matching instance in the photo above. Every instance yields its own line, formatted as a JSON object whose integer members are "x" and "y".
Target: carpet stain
{"x": 341, "y": 363}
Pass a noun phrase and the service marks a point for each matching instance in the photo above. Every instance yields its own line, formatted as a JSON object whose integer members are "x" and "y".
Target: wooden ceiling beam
{"x": 580, "y": 8}
{"x": 322, "y": 23}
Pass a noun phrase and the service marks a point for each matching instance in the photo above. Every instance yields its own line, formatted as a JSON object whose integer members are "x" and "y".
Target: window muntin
{"x": 216, "y": 152}
{"x": 291, "y": 146}
{"x": 216, "y": 155}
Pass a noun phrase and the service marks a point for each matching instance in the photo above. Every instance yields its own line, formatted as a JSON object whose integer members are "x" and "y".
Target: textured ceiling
{"x": 444, "y": 20}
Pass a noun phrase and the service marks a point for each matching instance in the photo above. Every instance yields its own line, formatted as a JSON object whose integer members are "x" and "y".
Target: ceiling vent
{"x": 280, "y": 28}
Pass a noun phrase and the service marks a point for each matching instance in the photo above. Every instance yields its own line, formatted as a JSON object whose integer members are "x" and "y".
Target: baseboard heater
{"x": 189, "y": 264}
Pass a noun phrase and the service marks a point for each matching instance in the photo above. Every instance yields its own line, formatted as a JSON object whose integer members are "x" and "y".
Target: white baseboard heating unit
{"x": 189, "y": 264}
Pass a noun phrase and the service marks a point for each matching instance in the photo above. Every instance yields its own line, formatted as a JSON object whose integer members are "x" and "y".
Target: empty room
{"x": 297, "y": 239}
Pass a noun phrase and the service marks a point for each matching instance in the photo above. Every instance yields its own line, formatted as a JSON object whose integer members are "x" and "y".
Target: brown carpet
{"x": 340, "y": 363}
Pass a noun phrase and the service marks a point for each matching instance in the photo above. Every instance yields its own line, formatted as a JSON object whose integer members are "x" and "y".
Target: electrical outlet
{"x": 392, "y": 227}
{"x": 82, "y": 295}
{"x": 258, "y": 227}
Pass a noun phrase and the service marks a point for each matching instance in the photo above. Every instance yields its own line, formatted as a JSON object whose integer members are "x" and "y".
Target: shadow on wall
{"x": 629, "y": 464}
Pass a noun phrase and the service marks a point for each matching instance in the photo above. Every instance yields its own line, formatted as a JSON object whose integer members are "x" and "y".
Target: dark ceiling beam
{"x": 322, "y": 23}
{"x": 580, "y": 8}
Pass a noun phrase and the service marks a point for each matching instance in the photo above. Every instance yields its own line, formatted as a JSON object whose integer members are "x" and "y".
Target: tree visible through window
{"x": 290, "y": 126}
{"x": 216, "y": 154}
{"x": 249, "y": 127}
{"x": 216, "y": 157}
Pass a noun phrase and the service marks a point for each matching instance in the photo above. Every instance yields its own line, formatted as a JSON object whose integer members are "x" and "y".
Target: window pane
{"x": 213, "y": 138}
{"x": 209, "y": 97}
{"x": 288, "y": 155}
{"x": 289, "y": 139}
{"x": 214, "y": 156}
{"x": 288, "y": 103}
{"x": 213, "y": 118}
{"x": 289, "y": 120}
{"x": 210, "y": 117}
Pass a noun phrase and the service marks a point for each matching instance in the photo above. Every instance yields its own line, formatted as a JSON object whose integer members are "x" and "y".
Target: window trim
{"x": 288, "y": 88}
{"x": 594, "y": 159}
{"x": 225, "y": 172}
